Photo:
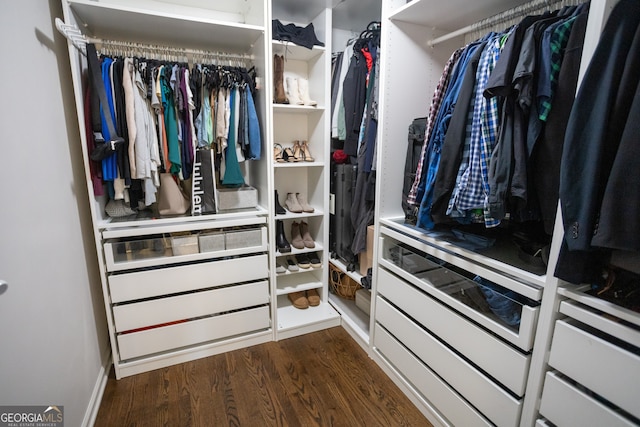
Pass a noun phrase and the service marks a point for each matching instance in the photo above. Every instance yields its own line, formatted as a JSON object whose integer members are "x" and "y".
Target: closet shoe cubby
{"x": 301, "y": 133}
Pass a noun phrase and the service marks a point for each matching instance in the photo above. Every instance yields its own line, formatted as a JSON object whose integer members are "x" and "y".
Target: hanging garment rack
{"x": 515, "y": 13}
{"x": 168, "y": 53}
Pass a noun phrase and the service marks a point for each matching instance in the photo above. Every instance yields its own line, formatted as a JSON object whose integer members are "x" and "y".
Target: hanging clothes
{"x": 232, "y": 174}
{"x": 599, "y": 174}
{"x": 433, "y": 147}
{"x": 486, "y": 125}
{"x": 166, "y": 111}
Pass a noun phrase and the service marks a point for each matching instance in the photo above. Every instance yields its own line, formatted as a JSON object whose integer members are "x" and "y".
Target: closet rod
{"x": 507, "y": 15}
{"x": 79, "y": 40}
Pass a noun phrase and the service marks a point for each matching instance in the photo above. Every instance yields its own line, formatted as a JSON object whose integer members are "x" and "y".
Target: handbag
{"x": 171, "y": 198}
{"x": 204, "y": 183}
{"x": 102, "y": 148}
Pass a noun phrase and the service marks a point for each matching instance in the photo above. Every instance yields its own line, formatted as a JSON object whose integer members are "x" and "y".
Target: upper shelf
{"x": 160, "y": 22}
{"x": 295, "y": 52}
{"x": 452, "y": 14}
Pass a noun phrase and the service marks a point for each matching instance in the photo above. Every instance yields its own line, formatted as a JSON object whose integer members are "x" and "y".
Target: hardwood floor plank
{"x": 319, "y": 379}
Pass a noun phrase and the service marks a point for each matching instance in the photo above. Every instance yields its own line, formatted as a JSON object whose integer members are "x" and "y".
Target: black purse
{"x": 102, "y": 148}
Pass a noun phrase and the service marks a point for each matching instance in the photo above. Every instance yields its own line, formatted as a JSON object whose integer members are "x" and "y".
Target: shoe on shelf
{"x": 278, "y": 153}
{"x": 296, "y": 236}
{"x": 279, "y": 209}
{"x": 281, "y": 240}
{"x": 297, "y": 151}
{"x": 303, "y": 261}
{"x": 307, "y": 241}
{"x": 292, "y": 265}
{"x": 287, "y": 155}
{"x": 293, "y": 92}
{"x": 303, "y": 89}
{"x": 306, "y": 153}
{"x": 313, "y": 298}
{"x": 281, "y": 267}
{"x": 292, "y": 203}
{"x": 278, "y": 80}
{"x": 299, "y": 300}
{"x": 314, "y": 260}
{"x": 302, "y": 201}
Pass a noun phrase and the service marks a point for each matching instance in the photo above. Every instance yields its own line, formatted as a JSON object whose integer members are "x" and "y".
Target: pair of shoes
{"x": 300, "y": 236}
{"x": 297, "y": 203}
{"x": 279, "y": 96}
{"x": 281, "y": 240}
{"x": 302, "y": 299}
{"x": 299, "y": 152}
{"x": 279, "y": 209}
{"x": 298, "y": 92}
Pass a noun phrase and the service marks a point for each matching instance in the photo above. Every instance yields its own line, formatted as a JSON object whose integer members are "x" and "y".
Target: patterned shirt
{"x": 558, "y": 42}
{"x": 438, "y": 96}
{"x": 473, "y": 188}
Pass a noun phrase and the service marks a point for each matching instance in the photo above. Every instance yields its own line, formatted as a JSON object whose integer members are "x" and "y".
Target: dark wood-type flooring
{"x": 318, "y": 379}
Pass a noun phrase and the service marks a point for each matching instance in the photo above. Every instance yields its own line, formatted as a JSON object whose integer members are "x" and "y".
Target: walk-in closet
{"x": 446, "y": 189}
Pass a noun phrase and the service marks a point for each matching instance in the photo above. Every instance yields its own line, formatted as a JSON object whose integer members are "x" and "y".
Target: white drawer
{"x": 602, "y": 366}
{"x": 506, "y": 364}
{"x": 446, "y": 285}
{"x": 179, "y": 335}
{"x": 565, "y": 405}
{"x": 151, "y": 283}
{"x": 489, "y": 398}
{"x": 188, "y": 306}
{"x": 158, "y": 250}
{"x": 437, "y": 392}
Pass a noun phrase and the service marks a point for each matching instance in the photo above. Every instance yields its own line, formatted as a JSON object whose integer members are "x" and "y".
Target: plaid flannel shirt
{"x": 473, "y": 188}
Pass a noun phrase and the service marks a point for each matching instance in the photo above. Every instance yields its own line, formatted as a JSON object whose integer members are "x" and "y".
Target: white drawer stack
{"x": 594, "y": 376}
{"x": 167, "y": 302}
{"x": 469, "y": 365}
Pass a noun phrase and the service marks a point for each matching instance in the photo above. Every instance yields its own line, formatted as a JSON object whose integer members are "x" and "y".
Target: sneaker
{"x": 281, "y": 267}
{"x": 303, "y": 261}
{"x": 314, "y": 260}
{"x": 291, "y": 264}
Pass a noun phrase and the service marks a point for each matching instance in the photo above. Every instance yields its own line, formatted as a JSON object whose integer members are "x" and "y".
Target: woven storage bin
{"x": 341, "y": 284}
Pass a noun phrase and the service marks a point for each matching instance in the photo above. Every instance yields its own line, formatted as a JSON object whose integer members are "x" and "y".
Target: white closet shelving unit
{"x": 310, "y": 178}
{"x": 170, "y": 300}
{"x": 572, "y": 360}
{"x": 459, "y": 364}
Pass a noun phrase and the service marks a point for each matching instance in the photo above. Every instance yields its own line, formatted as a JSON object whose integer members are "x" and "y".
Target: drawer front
{"x": 458, "y": 292}
{"x": 564, "y": 405}
{"x": 488, "y": 397}
{"x": 179, "y": 335}
{"x": 503, "y": 362}
{"x": 601, "y": 366}
{"x": 146, "y": 284}
{"x": 165, "y": 310}
{"x": 449, "y": 403}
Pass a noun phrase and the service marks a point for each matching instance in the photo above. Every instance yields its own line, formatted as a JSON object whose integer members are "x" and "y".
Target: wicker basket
{"x": 341, "y": 284}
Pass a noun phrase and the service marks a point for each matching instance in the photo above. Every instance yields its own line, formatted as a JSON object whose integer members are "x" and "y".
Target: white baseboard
{"x": 98, "y": 390}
